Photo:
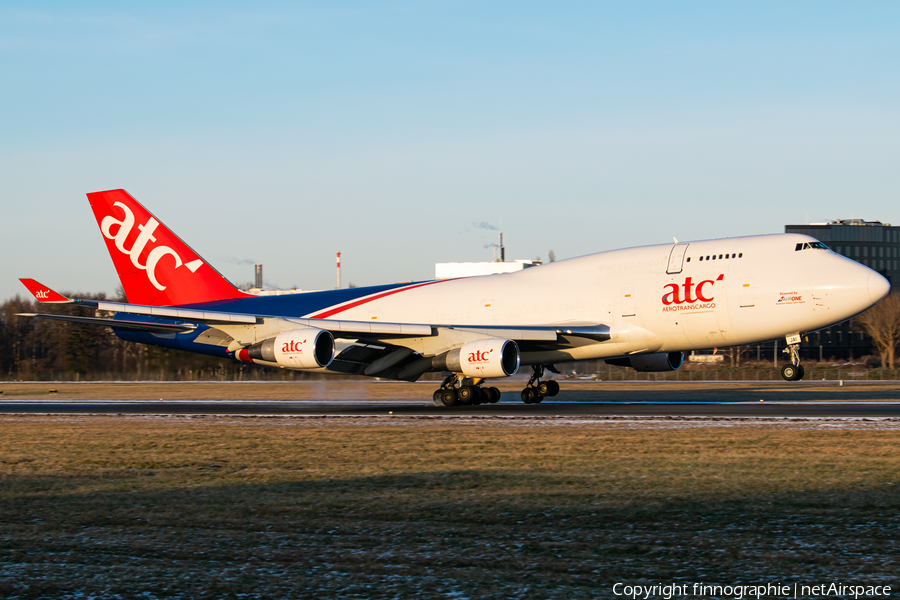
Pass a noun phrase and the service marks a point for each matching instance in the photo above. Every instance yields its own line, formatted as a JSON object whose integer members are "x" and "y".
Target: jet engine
{"x": 660, "y": 361}
{"x": 307, "y": 348}
{"x": 493, "y": 357}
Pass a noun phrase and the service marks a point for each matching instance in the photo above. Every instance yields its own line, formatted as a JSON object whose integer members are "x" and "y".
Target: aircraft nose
{"x": 878, "y": 287}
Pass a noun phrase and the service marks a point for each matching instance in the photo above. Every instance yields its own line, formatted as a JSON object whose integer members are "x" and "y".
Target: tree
{"x": 882, "y": 324}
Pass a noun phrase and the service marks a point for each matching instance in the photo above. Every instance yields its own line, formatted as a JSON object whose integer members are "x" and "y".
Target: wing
{"x": 395, "y": 350}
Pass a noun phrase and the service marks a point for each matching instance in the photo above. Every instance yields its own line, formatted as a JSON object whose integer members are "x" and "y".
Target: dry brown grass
{"x": 271, "y": 507}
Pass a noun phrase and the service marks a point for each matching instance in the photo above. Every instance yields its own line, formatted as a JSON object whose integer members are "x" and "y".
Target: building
{"x": 872, "y": 243}
{"x": 470, "y": 269}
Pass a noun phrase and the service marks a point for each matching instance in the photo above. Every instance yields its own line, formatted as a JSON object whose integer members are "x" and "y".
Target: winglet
{"x": 42, "y": 293}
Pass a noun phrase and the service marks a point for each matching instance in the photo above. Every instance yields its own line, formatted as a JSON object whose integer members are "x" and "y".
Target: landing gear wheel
{"x": 528, "y": 395}
{"x": 436, "y": 397}
{"x": 479, "y": 397}
{"x": 548, "y": 388}
{"x": 448, "y": 397}
{"x": 467, "y": 394}
{"x": 493, "y": 395}
{"x": 791, "y": 372}
{"x": 538, "y": 398}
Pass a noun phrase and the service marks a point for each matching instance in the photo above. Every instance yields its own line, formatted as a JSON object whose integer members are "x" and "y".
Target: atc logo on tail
{"x": 120, "y": 237}
{"x": 155, "y": 266}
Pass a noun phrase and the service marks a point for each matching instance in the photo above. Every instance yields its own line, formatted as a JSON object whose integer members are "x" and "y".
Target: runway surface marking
{"x": 606, "y": 421}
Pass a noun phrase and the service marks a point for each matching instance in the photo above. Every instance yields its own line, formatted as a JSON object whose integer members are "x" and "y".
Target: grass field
{"x": 224, "y": 507}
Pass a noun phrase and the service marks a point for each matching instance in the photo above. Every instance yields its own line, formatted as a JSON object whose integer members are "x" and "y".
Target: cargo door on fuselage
{"x": 488, "y": 313}
{"x": 747, "y": 293}
{"x": 676, "y": 258}
{"x": 702, "y": 329}
{"x": 628, "y": 302}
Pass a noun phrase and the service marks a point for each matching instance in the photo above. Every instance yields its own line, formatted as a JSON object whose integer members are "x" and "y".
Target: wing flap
{"x": 542, "y": 333}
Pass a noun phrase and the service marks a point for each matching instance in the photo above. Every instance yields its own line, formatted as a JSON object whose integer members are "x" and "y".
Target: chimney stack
{"x": 259, "y": 280}
{"x": 338, "y": 270}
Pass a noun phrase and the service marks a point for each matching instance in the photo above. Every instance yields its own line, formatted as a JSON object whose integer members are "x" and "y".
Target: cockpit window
{"x": 810, "y": 246}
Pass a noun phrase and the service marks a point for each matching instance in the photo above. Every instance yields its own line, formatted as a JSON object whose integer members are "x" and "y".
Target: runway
{"x": 367, "y": 408}
{"x": 733, "y": 399}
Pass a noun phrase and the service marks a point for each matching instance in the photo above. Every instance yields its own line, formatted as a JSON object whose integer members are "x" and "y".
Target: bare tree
{"x": 882, "y": 324}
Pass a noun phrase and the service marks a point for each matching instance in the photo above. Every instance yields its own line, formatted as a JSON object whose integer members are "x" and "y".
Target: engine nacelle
{"x": 307, "y": 348}
{"x": 493, "y": 357}
{"x": 661, "y": 361}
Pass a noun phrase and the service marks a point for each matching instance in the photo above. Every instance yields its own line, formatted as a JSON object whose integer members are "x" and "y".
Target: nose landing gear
{"x": 537, "y": 390}
{"x": 793, "y": 371}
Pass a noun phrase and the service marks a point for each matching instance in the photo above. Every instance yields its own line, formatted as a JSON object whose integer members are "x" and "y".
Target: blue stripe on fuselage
{"x": 288, "y": 305}
{"x": 293, "y": 305}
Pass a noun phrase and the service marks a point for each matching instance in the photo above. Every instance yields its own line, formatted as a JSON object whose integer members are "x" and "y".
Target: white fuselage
{"x": 756, "y": 288}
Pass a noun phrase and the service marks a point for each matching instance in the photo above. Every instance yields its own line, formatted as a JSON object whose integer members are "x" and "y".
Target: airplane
{"x": 641, "y": 307}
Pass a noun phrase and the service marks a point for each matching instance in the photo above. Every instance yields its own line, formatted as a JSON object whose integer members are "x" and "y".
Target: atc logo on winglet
{"x": 42, "y": 293}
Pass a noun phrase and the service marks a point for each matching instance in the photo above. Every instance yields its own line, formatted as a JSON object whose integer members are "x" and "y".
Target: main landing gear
{"x": 537, "y": 390}
{"x": 793, "y": 371}
{"x": 456, "y": 390}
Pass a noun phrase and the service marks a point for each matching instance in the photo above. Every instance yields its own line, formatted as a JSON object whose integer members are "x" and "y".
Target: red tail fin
{"x": 155, "y": 267}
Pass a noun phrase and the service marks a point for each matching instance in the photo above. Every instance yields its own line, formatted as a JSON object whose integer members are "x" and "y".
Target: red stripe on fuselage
{"x": 333, "y": 311}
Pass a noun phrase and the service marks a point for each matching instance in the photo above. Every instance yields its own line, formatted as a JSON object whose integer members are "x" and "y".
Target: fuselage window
{"x": 701, "y": 258}
{"x": 707, "y": 257}
{"x": 727, "y": 256}
{"x": 720, "y": 257}
{"x": 740, "y": 255}
{"x": 714, "y": 257}
{"x": 689, "y": 259}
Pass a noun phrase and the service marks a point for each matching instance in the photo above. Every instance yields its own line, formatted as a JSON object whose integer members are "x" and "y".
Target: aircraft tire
{"x": 484, "y": 395}
{"x": 436, "y": 397}
{"x": 790, "y": 373}
{"x": 800, "y": 372}
{"x": 467, "y": 394}
{"x": 538, "y": 398}
{"x": 528, "y": 395}
{"x": 448, "y": 398}
{"x": 493, "y": 395}
{"x": 548, "y": 388}
{"x": 478, "y": 396}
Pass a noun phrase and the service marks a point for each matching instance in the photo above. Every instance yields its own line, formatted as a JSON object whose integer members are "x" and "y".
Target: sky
{"x": 409, "y": 133}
